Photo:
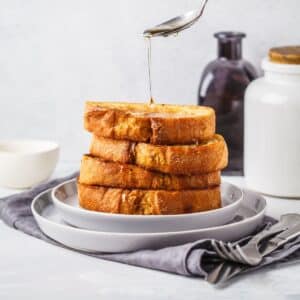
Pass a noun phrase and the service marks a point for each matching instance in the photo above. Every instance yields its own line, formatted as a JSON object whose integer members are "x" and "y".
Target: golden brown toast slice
{"x": 147, "y": 202}
{"x": 200, "y": 158}
{"x": 95, "y": 171}
{"x": 155, "y": 123}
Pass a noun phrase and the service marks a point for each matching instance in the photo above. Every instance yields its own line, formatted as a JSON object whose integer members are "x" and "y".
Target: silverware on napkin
{"x": 236, "y": 258}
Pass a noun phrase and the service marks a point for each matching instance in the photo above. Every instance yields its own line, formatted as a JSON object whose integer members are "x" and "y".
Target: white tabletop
{"x": 33, "y": 269}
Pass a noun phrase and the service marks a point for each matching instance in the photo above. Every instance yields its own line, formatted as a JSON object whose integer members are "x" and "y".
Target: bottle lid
{"x": 229, "y": 35}
{"x": 285, "y": 55}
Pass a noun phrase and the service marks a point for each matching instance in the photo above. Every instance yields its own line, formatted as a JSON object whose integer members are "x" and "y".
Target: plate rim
{"x": 60, "y": 203}
{"x": 38, "y": 216}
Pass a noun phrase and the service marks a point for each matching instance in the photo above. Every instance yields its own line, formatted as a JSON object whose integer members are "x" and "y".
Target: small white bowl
{"x": 24, "y": 163}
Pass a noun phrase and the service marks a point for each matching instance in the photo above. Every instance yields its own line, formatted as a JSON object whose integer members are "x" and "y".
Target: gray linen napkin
{"x": 191, "y": 259}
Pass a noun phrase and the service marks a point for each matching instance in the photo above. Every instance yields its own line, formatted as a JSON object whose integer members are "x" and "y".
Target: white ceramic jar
{"x": 272, "y": 131}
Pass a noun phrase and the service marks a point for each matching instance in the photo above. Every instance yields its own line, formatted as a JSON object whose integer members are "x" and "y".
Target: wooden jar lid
{"x": 285, "y": 55}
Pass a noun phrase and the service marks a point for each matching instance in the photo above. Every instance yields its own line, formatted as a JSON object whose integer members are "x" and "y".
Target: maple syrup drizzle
{"x": 148, "y": 38}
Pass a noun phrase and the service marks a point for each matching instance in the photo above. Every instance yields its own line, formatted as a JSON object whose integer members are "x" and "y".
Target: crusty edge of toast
{"x": 197, "y": 159}
{"x": 147, "y": 202}
{"x": 180, "y": 160}
{"x": 111, "y": 122}
{"x": 95, "y": 171}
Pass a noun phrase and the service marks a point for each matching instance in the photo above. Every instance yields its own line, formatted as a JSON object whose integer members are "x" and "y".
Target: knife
{"x": 281, "y": 239}
{"x": 224, "y": 272}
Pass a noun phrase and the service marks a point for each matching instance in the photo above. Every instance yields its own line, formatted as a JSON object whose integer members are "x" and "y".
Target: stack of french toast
{"x": 151, "y": 159}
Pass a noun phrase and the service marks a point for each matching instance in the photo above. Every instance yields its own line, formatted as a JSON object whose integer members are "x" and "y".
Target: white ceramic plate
{"x": 65, "y": 199}
{"x": 249, "y": 217}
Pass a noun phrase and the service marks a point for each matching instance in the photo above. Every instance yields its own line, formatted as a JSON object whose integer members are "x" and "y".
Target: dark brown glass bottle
{"x": 222, "y": 87}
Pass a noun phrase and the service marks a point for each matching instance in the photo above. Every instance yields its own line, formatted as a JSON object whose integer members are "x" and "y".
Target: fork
{"x": 225, "y": 270}
{"x": 249, "y": 254}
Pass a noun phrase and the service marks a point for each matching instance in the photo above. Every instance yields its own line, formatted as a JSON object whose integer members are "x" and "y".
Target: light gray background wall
{"x": 56, "y": 54}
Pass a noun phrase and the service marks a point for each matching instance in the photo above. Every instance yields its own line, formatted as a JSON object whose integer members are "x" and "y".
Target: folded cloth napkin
{"x": 191, "y": 259}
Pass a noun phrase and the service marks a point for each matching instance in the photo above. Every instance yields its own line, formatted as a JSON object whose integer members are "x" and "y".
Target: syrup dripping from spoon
{"x": 151, "y": 101}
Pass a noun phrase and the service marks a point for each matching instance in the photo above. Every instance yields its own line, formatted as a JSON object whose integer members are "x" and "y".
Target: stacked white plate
{"x": 62, "y": 219}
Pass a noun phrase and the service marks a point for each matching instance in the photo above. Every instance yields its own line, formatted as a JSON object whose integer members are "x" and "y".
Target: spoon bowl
{"x": 176, "y": 24}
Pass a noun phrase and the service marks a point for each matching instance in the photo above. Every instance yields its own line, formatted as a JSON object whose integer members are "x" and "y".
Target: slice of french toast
{"x": 147, "y": 202}
{"x": 95, "y": 171}
{"x": 155, "y": 123}
{"x": 194, "y": 159}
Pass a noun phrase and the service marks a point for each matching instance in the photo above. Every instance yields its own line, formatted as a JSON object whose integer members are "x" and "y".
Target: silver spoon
{"x": 176, "y": 24}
